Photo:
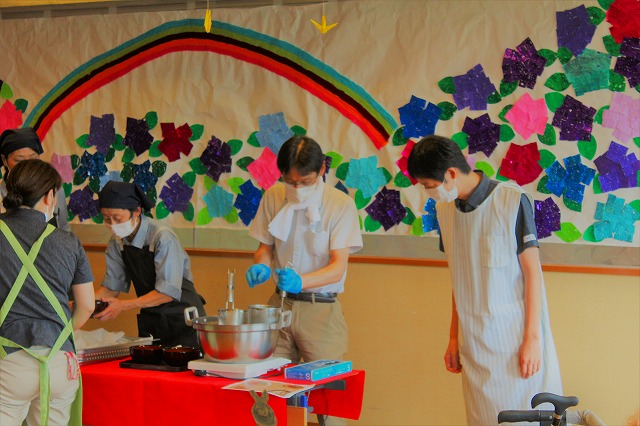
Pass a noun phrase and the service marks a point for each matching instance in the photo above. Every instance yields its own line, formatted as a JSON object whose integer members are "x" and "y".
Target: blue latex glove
{"x": 257, "y": 274}
{"x": 289, "y": 280}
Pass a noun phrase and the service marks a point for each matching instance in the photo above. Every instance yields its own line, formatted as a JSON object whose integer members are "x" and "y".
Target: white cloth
{"x": 280, "y": 226}
{"x": 309, "y": 248}
{"x": 488, "y": 287}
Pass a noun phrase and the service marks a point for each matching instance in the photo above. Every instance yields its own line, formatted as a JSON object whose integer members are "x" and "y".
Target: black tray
{"x": 156, "y": 367}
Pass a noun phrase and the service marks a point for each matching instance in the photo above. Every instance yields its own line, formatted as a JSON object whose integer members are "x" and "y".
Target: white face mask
{"x": 124, "y": 229}
{"x": 441, "y": 194}
{"x": 299, "y": 195}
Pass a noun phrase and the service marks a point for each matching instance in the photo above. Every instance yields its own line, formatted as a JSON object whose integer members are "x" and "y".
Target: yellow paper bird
{"x": 323, "y": 27}
{"x": 207, "y": 21}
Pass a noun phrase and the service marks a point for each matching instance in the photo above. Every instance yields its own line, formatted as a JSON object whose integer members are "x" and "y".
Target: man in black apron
{"x": 148, "y": 254}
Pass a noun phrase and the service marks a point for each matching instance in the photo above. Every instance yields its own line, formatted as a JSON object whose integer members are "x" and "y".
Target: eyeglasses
{"x": 305, "y": 181}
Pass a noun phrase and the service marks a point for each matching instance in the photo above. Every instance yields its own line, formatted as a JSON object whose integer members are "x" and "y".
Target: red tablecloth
{"x": 123, "y": 396}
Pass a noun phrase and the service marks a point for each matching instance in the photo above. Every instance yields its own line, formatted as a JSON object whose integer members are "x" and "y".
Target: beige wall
{"x": 399, "y": 317}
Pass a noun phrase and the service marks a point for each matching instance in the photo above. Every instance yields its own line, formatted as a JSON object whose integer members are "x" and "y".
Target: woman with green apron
{"x": 148, "y": 254}
{"x": 39, "y": 374}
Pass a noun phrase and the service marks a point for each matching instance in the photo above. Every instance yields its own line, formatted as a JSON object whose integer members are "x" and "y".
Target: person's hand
{"x": 113, "y": 310}
{"x": 530, "y": 357}
{"x": 257, "y": 274}
{"x": 452, "y": 357}
{"x": 289, "y": 280}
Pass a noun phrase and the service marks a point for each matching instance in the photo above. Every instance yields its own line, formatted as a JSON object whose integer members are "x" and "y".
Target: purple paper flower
{"x": 483, "y": 134}
{"x": 143, "y": 176}
{"x": 574, "y": 29}
{"x": 523, "y": 65}
{"x": 628, "y": 63}
{"x": 574, "y": 119}
{"x": 473, "y": 89}
{"x": 176, "y": 194}
{"x": 387, "y": 208}
{"x": 547, "y": 217}
{"x": 82, "y": 204}
{"x": 617, "y": 170}
{"x": 217, "y": 158}
{"x": 138, "y": 137}
{"x": 102, "y": 133}
{"x": 247, "y": 202}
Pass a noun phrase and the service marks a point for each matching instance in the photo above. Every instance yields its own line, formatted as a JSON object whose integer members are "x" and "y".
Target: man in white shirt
{"x": 306, "y": 231}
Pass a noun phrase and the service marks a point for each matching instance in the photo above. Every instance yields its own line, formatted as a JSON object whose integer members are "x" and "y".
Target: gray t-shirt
{"x": 62, "y": 262}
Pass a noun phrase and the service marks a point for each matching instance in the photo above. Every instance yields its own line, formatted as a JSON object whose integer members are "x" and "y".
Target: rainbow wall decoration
{"x": 272, "y": 54}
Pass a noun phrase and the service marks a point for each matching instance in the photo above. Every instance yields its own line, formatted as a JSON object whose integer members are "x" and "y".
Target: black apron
{"x": 166, "y": 321}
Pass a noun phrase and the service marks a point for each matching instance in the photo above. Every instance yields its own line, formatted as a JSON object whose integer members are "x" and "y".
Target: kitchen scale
{"x": 236, "y": 371}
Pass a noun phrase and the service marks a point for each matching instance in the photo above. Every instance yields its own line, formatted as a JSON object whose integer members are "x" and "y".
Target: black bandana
{"x": 122, "y": 195}
{"x": 15, "y": 139}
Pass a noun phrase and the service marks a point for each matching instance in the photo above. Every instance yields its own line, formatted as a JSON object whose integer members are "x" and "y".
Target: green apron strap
{"x": 28, "y": 267}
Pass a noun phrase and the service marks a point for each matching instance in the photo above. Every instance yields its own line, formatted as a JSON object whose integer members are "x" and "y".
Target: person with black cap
{"x": 148, "y": 254}
{"x": 23, "y": 144}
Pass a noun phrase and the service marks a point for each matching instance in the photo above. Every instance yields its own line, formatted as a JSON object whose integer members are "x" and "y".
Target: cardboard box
{"x": 317, "y": 370}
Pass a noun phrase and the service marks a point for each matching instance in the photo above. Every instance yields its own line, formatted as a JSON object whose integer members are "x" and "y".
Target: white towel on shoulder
{"x": 280, "y": 226}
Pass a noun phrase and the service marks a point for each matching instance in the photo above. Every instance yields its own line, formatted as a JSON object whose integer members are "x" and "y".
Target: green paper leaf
{"x": 75, "y": 161}
{"x": 564, "y": 55}
{"x": 542, "y": 185}
{"x": 21, "y": 105}
{"x": 203, "y": 217}
{"x": 209, "y": 183}
{"x": 416, "y": 227}
{"x": 617, "y": 83}
{"x": 253, "y": 140}
{"x": 82, "y": 141}
{"x": 447, "y": 85}
{"x": 152, "y": 119}
{"x": 485, "y": 167}
{"x": 447, "y": 110}
{"x": 244, "y": 162}
{"x": 506, "y": 133}
{"x": 196, "y": 132}
{"x": 235, "y": 145}
{"x": 500, "y": 177}
{"x": 605, "y": 4}
{"x": 99, "y": 219}
{"x": 553, "y": 100}
{"x": 161, "y": 210}
{"x": 610, "y": 45}
{"x": 110, "y": 154}
{"x": 189, "y": 213}
{"x": 386, "y": 173}
{"x": 197, "y": 166}
{"x": 151, "y": 193}
{"x": 189, "y": 178}
{"x": 637, "y": 141}
{"x": 409, "y": 217}
{"x": 572, "y": 205}
{"x": 398, "y": 138}
{"x": 557, "y": 82}
{"x": 127, "y": 172}
{"x": 462, "y": 139}
{"x": 549, "y": 55}
{"x": 232, "y": 216}
{"x": 568, "y": 232}
{"x": 158, "y": 168}
{"x": 94, "y": 184}
{"x": 494, "y": 98}
{"x": 589, "y": 235}
{"x": 371, "y": 225}
{"x": 154, "y": 151}
{"x": 598, "y": 117}
{"x": 596, "y": 15}
{"x": 546, "y": 158}
{"x": 128, "y": 156}
{"x": 503, "y": 113}
{"x": 67, "y": 186}
{"x": 234, "y": 184}
{"x": 507, "y": 88}
{"x": 401, "y": 181}
{"x": 5, "y": 90}
{"x": 342, "y": 171}
{"x": 597, "y": 188}
{"x": 549, "y": 136}
{"x": 588, "y": 148}
{"x": 71, "y": 216}
{"x": 299, "y": 130}
{"x": 77, "y": 179}
{"x": 118, "y": 144}
{"x": 361, "y": 201}
{"x": 336, "y": 159}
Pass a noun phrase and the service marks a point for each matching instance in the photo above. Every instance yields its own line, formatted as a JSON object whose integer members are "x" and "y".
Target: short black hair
{"x": 301, "y": 153}
{"x": 433, "y": 155}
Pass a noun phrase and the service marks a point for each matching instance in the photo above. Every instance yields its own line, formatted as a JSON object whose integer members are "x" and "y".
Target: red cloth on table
{"x": 124, "y": 396}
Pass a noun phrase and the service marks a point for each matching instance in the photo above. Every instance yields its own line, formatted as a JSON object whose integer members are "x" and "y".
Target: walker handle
{"x": 516, "y": 416}
{"x": 561, "y": 403}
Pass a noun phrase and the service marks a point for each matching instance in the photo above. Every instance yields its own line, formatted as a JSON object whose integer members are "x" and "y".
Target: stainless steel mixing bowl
{"x": 242, "y": 343}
